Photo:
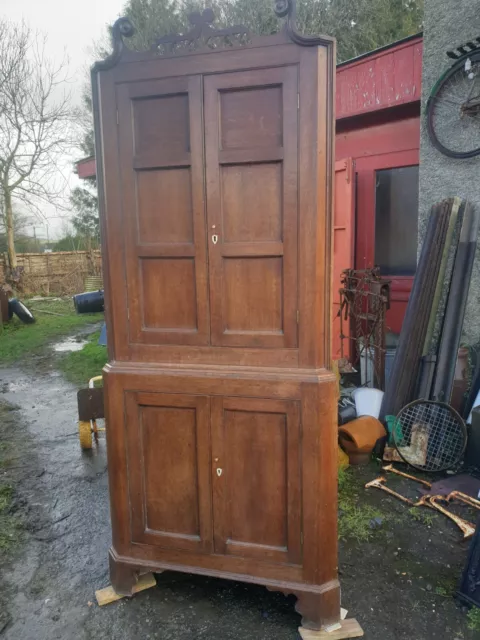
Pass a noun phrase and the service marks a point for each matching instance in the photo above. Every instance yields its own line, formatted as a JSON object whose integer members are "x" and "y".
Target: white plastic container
{"x": 368, "y": 401}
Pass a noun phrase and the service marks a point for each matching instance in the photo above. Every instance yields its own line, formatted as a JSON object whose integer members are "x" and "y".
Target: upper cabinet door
{"x": 251, "y": 122}
{"x": 161, "y": 163}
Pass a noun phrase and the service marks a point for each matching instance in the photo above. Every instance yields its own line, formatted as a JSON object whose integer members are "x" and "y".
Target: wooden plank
{"x": 349, "y": 629}
{"x": 108, "y": 595}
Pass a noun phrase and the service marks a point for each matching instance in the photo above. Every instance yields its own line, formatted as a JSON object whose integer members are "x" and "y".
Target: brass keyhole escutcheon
{"x": 219, "y": 472}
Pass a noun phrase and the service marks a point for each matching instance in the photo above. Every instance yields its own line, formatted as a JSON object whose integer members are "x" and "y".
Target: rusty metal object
{"x": 379, "y": 483}
{"x": 392, "y": 469}
{"x": 467, "y": 528}
{"x": 364, "y": 301}
{"x": 463, "y": 497}
{"x": 424, "y": 502}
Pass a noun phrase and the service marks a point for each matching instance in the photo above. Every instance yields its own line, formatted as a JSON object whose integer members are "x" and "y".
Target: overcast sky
{"x": 72, "y": 26}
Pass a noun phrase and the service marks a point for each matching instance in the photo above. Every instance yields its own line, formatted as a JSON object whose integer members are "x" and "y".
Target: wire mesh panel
{"x": 430, "y": 436}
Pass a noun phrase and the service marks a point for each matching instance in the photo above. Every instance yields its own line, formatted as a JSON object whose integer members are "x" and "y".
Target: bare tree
{"x": 35, "y": 126}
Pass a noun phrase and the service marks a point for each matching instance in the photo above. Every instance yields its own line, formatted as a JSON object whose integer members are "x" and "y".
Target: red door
{"x": 368, "y": 171}
{"x": 343, "y": 242}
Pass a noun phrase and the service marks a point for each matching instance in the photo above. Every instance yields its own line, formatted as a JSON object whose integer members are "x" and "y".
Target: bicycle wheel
{"x": 453, "y": 109}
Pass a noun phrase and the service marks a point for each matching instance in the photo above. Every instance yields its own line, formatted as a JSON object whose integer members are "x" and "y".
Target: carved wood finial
{"x": 284, "y": 8}
{"x": 288, "y": 9}
{"x": 201, "y": 35}
{"x": 122, "y": 28}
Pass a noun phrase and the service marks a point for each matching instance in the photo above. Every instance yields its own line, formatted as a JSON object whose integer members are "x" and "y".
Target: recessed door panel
{"x": 256, "y": 478}
{"x": 251, "y": 121}
{"x": 168, "y": 457}
{"x": 248, "y": 190}
{"x": 169, "y": 286}
{"x": 161, "y": 154}
{"x": 253, "y": 296}
{"x": 251, "y": 117}
{"x": 172, "y": 188}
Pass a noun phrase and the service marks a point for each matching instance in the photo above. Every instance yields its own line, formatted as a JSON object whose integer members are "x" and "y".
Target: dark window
{"x": 396, "y": 220}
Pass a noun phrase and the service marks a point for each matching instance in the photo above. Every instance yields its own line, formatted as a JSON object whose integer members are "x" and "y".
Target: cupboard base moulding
{"x": 319, "y": 605}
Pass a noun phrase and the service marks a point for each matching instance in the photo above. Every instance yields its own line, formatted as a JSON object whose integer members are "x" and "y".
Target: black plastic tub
{"x": 89, "y": 302}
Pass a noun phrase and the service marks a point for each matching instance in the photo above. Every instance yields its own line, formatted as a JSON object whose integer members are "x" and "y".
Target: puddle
{"x": 19, "y": 385}
{"x": 70, "y": 344}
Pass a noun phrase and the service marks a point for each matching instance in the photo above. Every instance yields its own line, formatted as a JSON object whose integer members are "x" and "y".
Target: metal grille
{"x": 430, "y": 436}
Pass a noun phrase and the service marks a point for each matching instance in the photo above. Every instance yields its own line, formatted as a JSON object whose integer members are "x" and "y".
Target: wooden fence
{"x": 59, "y": 273}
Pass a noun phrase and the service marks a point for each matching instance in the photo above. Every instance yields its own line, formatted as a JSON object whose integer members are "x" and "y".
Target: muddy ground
{"x": 398, "y": 585}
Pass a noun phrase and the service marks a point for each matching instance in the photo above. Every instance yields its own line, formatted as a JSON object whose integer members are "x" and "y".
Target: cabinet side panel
{"x": 315, "y": 204}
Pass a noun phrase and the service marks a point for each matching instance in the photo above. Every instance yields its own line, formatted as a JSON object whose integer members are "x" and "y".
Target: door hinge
{"x": 298, "y": 316}
{"x": 298, "y": 101}
{"x": 117, "y": 116}
{"x": 301, "y": 538}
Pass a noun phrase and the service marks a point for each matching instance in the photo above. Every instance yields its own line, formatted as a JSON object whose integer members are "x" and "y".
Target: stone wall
{"x": 448, "y": 24}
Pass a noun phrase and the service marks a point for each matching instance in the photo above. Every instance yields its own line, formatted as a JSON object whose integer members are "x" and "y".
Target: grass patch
{"x": 5, "y": 497}
{"x": 18, "y": 339}
{"x": 9, "y": 523}
{"x": 80, "y": 366}
{"x": 474, "y": 619}
{"x": 422, "y": 515}
{"x": 355, "y": 519}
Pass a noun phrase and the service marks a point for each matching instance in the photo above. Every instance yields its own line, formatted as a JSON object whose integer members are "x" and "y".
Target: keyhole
{"x": 214, "y": 238}
{"x": 219, "y": 472}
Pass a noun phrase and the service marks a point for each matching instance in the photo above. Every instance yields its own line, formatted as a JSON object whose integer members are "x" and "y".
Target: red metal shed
{"x": 377, "y": 153}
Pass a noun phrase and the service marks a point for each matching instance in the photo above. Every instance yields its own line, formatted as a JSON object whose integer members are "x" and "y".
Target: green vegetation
{"x": 9, "y": 523}
{"x": 422, "y": 515}
{"x": 58, "y": 319}
{"x": 80, "y": 366}
{"x": 474, "y": 619}
{"x": 355, "y": 519}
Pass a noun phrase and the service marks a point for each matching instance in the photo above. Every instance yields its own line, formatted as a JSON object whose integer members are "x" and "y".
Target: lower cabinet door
{"x": 168, "y": 449}
{"x": 257, "y": 478}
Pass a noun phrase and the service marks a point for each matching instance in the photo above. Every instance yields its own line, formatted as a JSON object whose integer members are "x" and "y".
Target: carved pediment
{"x": 201, "y": 35}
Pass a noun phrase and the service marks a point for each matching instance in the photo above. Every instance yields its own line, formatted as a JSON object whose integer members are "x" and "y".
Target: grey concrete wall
{"x": 449, "y": 23}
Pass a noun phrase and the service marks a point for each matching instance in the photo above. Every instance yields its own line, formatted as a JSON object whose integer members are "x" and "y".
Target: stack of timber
{"x": 455, "y": 310}
{"x": 426, "y": 357}
{"x": 402, "y": 383}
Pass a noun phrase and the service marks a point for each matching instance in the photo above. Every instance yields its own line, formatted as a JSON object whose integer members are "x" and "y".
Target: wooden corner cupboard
{"x": 214, "y": 156}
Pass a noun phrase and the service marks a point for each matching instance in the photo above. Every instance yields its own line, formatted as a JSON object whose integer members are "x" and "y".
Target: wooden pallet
{"x": 348, "y": 629}
{"x": 108, "y": 595}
